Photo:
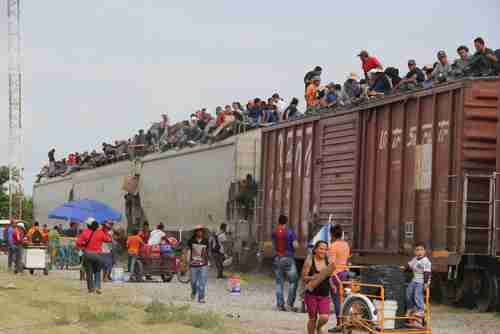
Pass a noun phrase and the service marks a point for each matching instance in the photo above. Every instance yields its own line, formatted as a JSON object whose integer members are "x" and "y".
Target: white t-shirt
{"x": 155, "y": 237}
{"x": 419, "y": 266}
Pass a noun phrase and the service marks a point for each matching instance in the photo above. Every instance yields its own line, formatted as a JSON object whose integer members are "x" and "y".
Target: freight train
{"x": 420, "y": 166}
{"x": 409, "y": 167}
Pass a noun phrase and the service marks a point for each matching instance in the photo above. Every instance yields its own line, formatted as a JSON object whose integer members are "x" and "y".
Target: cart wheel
{"x": 354, "y": 311}
{"x": 167, "y": 278}
{"x": 32, "y": 272}
{"x": 46, "y": 272}
{"x": 184, "y": 277}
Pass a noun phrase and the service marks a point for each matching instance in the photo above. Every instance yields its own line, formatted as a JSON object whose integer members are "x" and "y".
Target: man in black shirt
{"x": 52, "y": 162}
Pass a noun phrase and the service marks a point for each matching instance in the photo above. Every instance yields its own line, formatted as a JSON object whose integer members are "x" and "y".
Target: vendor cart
{"x": 36, "y": 257}
{"x": 152, "y": 261}
{"x": 365, "y": 308}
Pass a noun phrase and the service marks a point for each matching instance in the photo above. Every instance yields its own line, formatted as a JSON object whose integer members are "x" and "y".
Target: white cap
{"x": 21, "y": 225}
{"x": 89, "y": 221}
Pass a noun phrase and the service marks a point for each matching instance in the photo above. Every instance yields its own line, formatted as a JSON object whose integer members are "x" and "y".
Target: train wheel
{"x": 487, "y": 294}
{"x": 479, "y": 290}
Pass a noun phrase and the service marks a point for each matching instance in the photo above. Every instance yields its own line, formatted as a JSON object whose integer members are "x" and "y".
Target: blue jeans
{"x": 132, "y": 259}
{"x": 11, "y": 256}
{"x": 415, "y": 296}
{"x": 108, "y": 262}
{"x": 199, "y": 278}
{"x": 93, "y": 268}
{"x": 285, "y": 265}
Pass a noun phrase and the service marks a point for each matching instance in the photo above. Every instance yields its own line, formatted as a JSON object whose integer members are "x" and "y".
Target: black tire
{"x": 184, "y": 277}
{"x": 355, "y": 308}
{"x": 487, "y": 296}
{"x": 167, "y": 278}
{"x": 46, "y": 272}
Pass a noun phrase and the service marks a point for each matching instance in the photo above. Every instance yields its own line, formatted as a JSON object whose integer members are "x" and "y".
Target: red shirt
{"x": 281, "y": 241}
{"x": 220, "y": 119}
{"x": 18, "y": 237}
{"x": 370, "y": 63}
{"x": 92, "y": 242}
{"x": 145, "y": 235}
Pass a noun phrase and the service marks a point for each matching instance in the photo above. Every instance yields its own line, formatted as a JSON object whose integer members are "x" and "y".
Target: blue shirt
{"x": 255, "y": 113}
{"x": 10, "y": 236}
{"x": 331, "y": 97}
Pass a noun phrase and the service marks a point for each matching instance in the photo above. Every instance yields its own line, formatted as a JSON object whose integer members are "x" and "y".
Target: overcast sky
{"x": 98, "y": 70}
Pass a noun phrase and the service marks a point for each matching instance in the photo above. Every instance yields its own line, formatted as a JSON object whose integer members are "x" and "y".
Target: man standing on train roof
{"x": 315, "y": 73}
{"x": 284, "y": 243}
{"x": 369, "y": 63}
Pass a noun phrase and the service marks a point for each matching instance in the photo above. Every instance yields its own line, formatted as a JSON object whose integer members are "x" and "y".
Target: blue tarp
{"x": 79, "y": 211}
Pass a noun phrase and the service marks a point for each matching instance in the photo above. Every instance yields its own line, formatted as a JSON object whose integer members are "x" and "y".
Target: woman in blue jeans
{"x": 198, "y": 262}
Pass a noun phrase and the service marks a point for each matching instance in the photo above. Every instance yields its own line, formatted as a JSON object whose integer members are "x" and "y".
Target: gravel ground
{"x": 256, "y": 311}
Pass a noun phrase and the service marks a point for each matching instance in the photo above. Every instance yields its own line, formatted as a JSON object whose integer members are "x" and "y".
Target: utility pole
{"x": 16, "y": 168}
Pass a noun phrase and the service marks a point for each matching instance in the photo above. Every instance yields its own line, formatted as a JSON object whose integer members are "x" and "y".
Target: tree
{"x": 4, "y": 198}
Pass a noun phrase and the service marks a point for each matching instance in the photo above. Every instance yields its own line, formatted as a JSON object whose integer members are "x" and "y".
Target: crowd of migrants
{"x": 203, "y": 128}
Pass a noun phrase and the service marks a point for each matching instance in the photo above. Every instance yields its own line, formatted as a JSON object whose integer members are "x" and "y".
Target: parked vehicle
{"x": 411, "y": 167}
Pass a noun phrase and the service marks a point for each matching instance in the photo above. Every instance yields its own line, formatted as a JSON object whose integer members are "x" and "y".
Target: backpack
{"x": 37, "y": 237}
{"x": 216, "y": 244}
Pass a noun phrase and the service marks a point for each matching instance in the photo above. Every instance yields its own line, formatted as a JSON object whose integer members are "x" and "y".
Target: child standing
{"x": 420, "y": 265}
{"x": 134, "y": 244}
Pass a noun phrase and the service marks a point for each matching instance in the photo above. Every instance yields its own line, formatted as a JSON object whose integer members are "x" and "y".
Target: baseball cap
{"x": 412, "y": 62}
{"x": 441, "y": 54}
{"x": 363, "y": 53}
{"x": 21, "y": 225}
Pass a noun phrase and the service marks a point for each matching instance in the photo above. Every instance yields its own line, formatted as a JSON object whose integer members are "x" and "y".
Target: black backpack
{"x": 37, "y": 237}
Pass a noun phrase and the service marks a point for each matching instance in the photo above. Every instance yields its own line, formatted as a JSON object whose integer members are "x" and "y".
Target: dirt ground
{"x": 253, "y": 311}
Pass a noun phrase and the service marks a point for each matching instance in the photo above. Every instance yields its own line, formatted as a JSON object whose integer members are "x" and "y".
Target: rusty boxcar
{"x": 411, "y": 167}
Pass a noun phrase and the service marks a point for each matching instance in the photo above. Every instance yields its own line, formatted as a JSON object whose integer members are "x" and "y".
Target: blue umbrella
{"x": 80, "y": 210}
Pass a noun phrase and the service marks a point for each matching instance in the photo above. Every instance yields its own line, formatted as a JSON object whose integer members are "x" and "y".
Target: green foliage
{"x": 4, "y": 198}
{"x": 160, "y": 313}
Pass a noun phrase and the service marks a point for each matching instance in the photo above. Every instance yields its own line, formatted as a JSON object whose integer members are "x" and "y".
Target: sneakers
{"x": 281, "y": 308}
{"x": 293, "y": 309}
{"x": 193, "y": 297}
{"x": 202, "y": 301}
{"x": 419, "y": 314}
{"x": 98, "y": 291}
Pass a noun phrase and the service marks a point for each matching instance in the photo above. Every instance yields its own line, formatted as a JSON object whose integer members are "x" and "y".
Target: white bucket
{"x": 117, "y": 275}
{"x": 390, "y": 309}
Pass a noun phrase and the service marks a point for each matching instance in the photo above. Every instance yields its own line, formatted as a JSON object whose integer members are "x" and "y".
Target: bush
{"x": 86, "y": 314}
{"x": 160, "y": 313}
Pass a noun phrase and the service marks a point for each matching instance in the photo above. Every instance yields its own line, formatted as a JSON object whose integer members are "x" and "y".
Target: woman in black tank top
{"x": 318, "y": 300}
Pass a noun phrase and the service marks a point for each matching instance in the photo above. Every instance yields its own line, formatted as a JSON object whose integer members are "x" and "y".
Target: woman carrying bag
{"x": 90, "y": 242}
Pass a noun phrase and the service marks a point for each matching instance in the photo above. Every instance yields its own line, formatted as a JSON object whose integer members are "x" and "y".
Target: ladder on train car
{"x": 478, "y": 215}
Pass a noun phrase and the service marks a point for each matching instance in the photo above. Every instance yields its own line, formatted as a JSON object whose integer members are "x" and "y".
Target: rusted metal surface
{"x": 393, "y": 172}
{"x": 419, "y": 150}
{"x": 288, "y": 157}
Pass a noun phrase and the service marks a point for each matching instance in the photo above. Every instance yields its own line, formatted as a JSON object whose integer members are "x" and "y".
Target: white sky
{"x": 98, "y": 70}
